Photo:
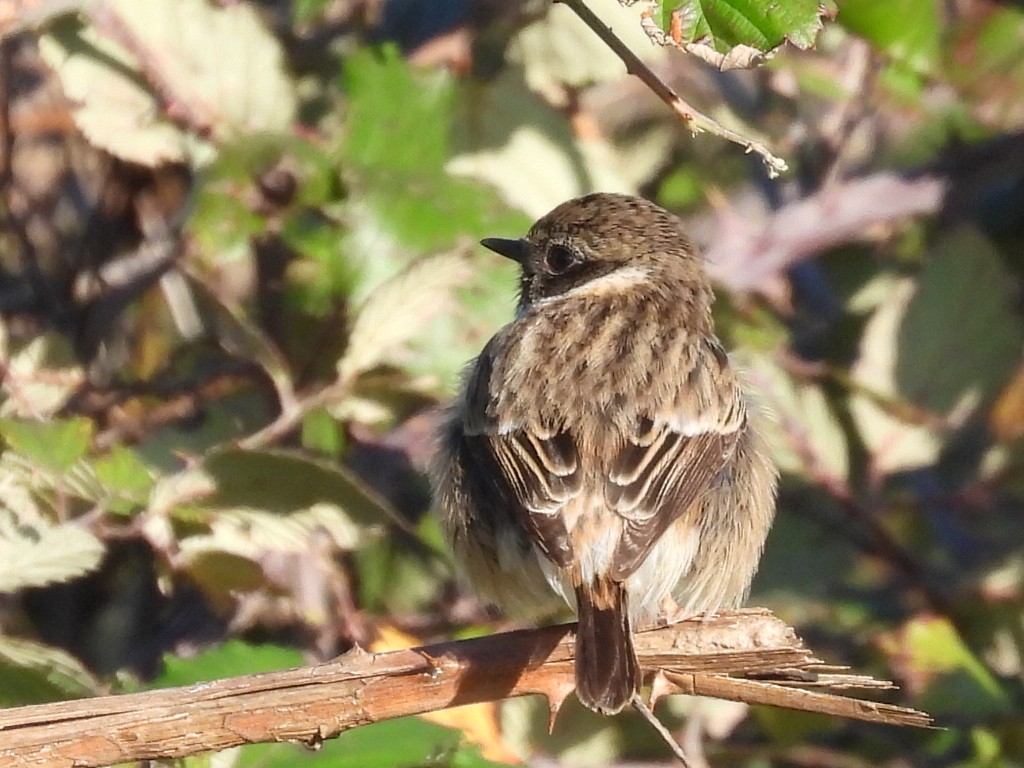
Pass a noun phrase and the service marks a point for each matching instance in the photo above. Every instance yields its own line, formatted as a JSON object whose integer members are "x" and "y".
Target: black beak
{"x": 510, "y": 249}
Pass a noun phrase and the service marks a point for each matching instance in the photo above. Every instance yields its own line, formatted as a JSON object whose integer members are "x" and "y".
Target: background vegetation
{"x": 238, "y": 274}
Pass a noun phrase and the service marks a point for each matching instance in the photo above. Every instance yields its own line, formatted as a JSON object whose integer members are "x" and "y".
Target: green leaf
{"x": 57, "y": 445}
{"x": 933, "y": 660}
{"x": 731, "y": 33}
{"x": 40, "y": 554}
{"x": 944, "y": 344}
{"x": 909, "y": 31}
{"x": 227, "y": 660}
{"x": 405, "y": 741}
{"x": 125, "y": 477}
{"x": 285, "y": 482}
{"x": 396, "y": 146}
{"x": 32, "y": 673}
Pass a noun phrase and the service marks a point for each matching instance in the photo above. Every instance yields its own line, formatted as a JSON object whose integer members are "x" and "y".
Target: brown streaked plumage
{"x": 602, "y": 450}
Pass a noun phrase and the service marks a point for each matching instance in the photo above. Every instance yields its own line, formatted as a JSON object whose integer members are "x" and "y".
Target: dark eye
{"x": 559, "y": 259}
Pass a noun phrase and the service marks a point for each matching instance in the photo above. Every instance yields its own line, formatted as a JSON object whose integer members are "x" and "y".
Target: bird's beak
{"x": 510, "y": 249}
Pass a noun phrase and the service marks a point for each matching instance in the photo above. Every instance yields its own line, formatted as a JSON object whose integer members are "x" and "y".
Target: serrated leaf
{"x": 33, "y": 673}
{"x": 283, "y": 482}
{"x": 251, "y": 532}
{"x": 398, "y": 310}
{"x": 57, "y": 445}
{"x": 33, "y": 556}
{"x": 39, "y": 395}
{"x": 739, "y": 33}
{"x": 959, "y": 309}
{"x": 216, "y": 69}
{"x": 115, "y": 110}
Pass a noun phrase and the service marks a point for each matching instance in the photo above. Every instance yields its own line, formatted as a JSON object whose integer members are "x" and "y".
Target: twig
{"x": 695, "y": 120}
{"x": 677, "y": 749}
{"x": 311, "y": 704}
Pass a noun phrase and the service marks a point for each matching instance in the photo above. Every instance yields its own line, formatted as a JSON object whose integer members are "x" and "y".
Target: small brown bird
{"x": 602, "y": 450}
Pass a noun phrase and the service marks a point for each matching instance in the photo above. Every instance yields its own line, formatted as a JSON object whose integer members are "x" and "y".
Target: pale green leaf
{"x": 942, "y": 344}
{"x": 801, "y": 426}
{"x": 41, "y": 376}
{"x": 213, "y": 68}
{"x": 909, "y": 31}
{"x": 36, "y": 555}
{"x": 34, "y": 673}
{"x": 115, "y": 110}
{"x": 516, "y": 142}
{"x": 929, "y": 653}
{"x": 396, "y": 312}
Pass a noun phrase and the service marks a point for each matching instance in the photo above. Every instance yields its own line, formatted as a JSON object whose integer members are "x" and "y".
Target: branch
{"x": 749, "y": 251}
{"x": 695, "y": 120}
{"x": 745, "y": 655}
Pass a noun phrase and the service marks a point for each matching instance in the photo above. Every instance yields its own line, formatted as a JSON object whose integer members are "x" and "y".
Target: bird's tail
{"x": 607, "y": 670}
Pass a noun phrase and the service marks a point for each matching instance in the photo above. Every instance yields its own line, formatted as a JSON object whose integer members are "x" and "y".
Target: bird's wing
{"x": 535, "y": 471}
{"x": 671, "y": 460}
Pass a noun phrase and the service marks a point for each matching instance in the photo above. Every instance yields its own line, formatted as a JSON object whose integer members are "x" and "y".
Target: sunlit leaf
{"x": 943, "y": 344}
{"x": 801, "y": 425}
{"x": 907, "y": 30}
{"x": 33, "y": 556}
{"x": 56, "y": 445}
{"x": 33, "y": 673}
{"x": 125, "y": 477}
{"x": 399, "y": 309}
{"x": 737, "y": 33}
{"x": 211, "y": 68}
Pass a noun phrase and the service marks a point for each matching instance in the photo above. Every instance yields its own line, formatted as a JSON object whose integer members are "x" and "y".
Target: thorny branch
{"x": 695, "y": 120}
{"x": 745, "y": 656}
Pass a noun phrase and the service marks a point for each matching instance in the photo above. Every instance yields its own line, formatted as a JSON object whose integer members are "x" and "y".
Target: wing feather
{"x": 537, "y": 470}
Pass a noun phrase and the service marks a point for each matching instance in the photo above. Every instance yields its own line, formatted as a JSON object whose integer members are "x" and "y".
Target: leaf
{"x": 33, "y": 556}
{"x": 285, "y": 482}
{"x": 398, "y": 310}
{"x": 944, "y": 344}
{"x": 141, "y": 70}
{"x": 403, "y": 197}
{"x": 732, "y": 34}
{"x": 799, "y": 422}
{"x": 513, "y": 140}
{"x": 226, "y": 660}
{"x": 114, "y": 110}
{"x": 57, "y": 445}
{"x": 41, "y": 376}
{"x": 126, "y": 479}
{"x": 33, "y": 673}
{"x": 909, "y": 31}
{"x": 939, "y": 669}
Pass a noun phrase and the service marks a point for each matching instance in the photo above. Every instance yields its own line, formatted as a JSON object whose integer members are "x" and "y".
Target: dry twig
{"x": 746, "y": 656}
{"x": 695, "y": 120}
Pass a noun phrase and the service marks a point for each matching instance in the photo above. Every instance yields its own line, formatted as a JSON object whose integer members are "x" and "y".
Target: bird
{"x": 603, "y": 451}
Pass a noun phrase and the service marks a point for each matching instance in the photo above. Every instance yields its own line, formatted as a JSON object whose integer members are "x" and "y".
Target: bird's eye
{"x": 559, "y": 259}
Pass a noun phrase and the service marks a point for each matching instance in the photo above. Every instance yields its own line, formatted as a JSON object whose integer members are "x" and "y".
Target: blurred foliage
{"x": 237, "y": 277}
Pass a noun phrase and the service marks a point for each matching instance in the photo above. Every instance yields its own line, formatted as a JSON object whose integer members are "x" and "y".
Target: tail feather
{"x": 607, "y": 670}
